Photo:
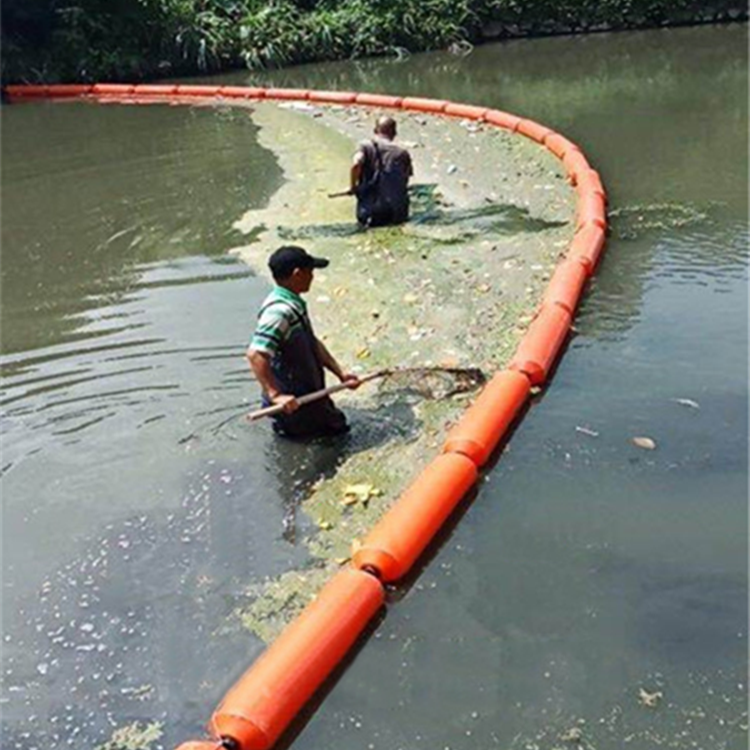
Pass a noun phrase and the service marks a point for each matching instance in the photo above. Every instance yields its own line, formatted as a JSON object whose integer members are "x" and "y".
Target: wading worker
{"x": 379, "y": 178}
{"x": 285, "y": 355}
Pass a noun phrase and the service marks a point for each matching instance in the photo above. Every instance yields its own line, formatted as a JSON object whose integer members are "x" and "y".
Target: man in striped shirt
{"x": 286, "y": 356}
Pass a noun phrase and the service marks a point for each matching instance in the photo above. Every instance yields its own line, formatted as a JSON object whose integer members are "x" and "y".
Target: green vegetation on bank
{"x": 86, "y": 40}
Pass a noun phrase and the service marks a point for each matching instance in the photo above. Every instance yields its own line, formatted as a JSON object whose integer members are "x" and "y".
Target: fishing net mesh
{"x": 432, "y": 382}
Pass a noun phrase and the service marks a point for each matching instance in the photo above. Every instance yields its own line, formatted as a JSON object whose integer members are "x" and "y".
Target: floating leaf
{"x": 650, "y": 700}
{"x": 363, "y": 353}
{"x": 325, "y": 525}
{"x": 342, "y": 560}
{"x": 359, "y": 493}
{"x": 644, "y": 442}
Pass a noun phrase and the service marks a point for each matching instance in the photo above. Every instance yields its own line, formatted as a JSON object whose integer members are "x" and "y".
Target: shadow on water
{"x": 429, "y": 217}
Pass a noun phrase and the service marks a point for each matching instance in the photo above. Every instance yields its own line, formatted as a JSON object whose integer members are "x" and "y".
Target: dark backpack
{"x": 371, "y": 209}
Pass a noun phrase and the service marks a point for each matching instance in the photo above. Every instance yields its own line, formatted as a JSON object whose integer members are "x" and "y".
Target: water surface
{"x": 137, "y": 507}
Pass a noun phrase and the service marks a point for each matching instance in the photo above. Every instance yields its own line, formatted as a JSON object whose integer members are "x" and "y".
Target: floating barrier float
{"x": 265, "y": 700}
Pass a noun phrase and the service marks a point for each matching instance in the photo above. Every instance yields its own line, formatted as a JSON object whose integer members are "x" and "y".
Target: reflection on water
{"x": 106, "y": 192}
{"x": 123, "y": 329}
{"x": 138, "y": 504}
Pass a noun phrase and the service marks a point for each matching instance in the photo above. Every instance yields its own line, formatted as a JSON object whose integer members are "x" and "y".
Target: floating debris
{"x": 687, "y": 402}
{"x": 574, "y": 734}
{"x": 644, "y": 442}
{"x": 134, "y": 737}
{"x": 587, "y": 431}
{"x": 359, "y": 493}
{"x": 649, "y": 700}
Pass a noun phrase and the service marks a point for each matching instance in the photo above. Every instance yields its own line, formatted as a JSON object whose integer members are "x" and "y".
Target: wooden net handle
{"x": 270, "y": 411}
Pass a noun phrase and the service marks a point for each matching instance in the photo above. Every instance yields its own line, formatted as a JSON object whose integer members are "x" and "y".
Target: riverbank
{"x": 90, "y": 41}
{"x": 453, "y": 288}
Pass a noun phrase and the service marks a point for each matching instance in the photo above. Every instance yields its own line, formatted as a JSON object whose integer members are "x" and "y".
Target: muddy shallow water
{"x": 143, "y": 519}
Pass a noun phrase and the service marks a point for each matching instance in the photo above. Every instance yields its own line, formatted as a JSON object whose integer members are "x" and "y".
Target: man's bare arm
{"x": 329, "y": 362}
{"x": 355, "y": 174}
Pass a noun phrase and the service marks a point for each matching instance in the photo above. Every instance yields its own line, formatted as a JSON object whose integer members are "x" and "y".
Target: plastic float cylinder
{"x": 418, "y": 104}
{"x": 392, "y": 547}
{"x": 333, "y": 97}
{"x": 502, "y": 119}
{"x": 146, "y": 89}
{"x": 587, "y": 246}
{"x": 258, "y": 708}
{"x": 467, "y": 111}
{"x": 575, "y": 163}
{"x": 534, "y": 130}
{"x": 242, "y": 92}
{"x": 591, "y": 210}
{"x": 379, "y": 100}
{"x": 32, "y": 91}
{"x": 589, "y": 181}
{"x": 484, "y": 423}
{"x": 112, "y": 89}
{"x": 289, "y": 94}
{"x": 189, "y": 90}
{"x": 541, "y": 344}
{"x": 566, "y": 285}
{"x": 559, "y": 145}
{"x": 69, "y": 89}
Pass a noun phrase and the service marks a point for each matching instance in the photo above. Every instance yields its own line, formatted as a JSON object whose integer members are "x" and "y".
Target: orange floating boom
{"x": 566, "y": 285}
{"x": 467, "y": 111}
{"x": 257, "y": 710}
{"x": 538, "y": 350}
{"x": 379, "y": 100}
{"x": 190, "y": 90}
{"x": 486, "y": 421}
{"x": 587, "y": 246}
{"x": 260, "y": 706}
{"x": 534, "y": 130}
{"x": 146, "y": 89}
{"x": 559, "y": 145}
{"x": 333, "y": 97}
{"x": 418, "y": 104}
{"x": 242, "y": 92}
{"x": 292, "y": 94}
{"x": 403, "y": 533}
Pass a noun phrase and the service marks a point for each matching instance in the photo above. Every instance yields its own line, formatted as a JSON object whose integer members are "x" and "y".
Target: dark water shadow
{"x": 428, "y": 212}
{"x": 300, "y": 464}
{"x": 498, "y": 218}
{"x": 322, "y": 231}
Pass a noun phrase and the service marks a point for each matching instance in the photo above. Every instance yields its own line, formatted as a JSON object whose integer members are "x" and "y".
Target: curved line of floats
{"x": 260, "y": 706}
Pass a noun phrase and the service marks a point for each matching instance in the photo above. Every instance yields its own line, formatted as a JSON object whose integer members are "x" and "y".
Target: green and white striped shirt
{"x": 281, "y": 315}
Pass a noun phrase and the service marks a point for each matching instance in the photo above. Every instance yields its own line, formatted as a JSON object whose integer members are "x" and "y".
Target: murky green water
{"x": 136, "y": 507}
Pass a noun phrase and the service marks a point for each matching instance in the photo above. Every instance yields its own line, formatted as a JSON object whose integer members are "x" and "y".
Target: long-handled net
{"x": 428, "y": 382}
{"x": 431, "y": 382}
